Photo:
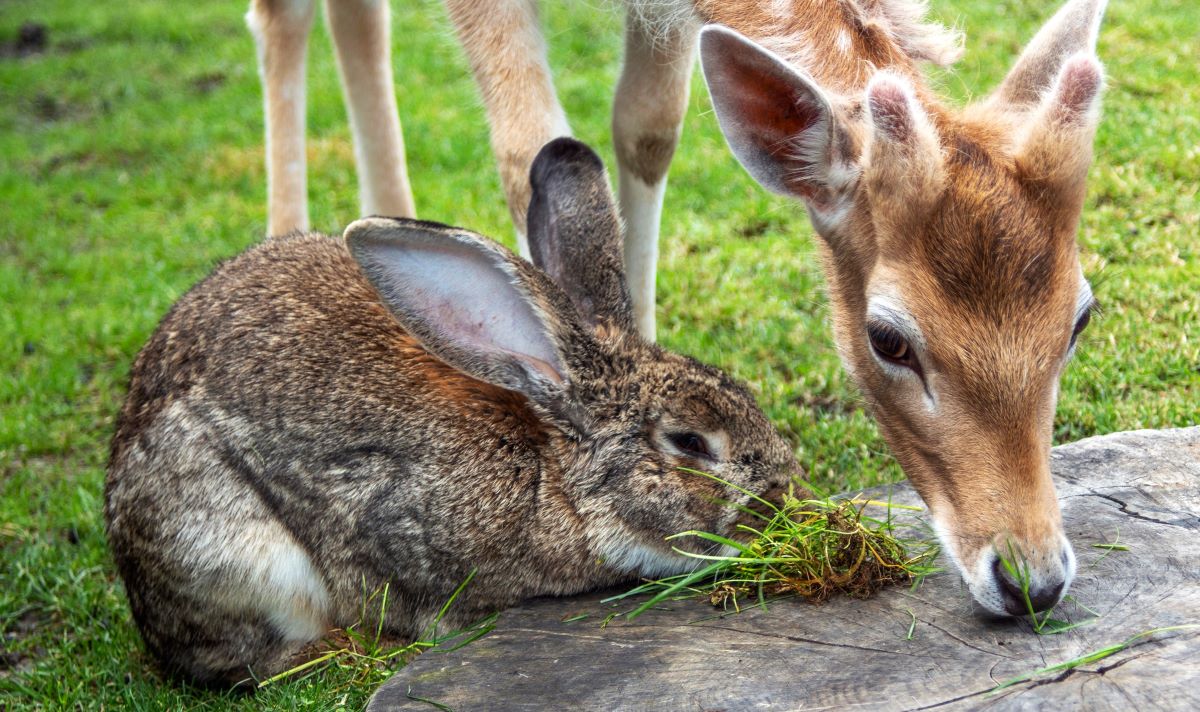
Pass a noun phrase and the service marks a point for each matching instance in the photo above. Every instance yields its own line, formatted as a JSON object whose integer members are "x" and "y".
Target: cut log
{"x": 1141, "y": 488}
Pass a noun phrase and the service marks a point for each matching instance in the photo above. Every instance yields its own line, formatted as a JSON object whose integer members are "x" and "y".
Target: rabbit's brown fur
{"x": 287, "y": 445}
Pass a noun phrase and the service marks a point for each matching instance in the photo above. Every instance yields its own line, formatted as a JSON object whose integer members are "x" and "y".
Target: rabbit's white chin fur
{"x": 645, "y": 561}
{"x": 623, "y": 552}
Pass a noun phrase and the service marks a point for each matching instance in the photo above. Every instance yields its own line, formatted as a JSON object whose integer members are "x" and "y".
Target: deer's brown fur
{"x": 953, "y": 228}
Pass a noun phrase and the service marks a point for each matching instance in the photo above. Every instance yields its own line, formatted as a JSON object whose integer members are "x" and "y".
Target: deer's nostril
{"x": 1014, "y": 599}
{"x": 1040, "y": 597}
{"x": 1043, "y": 598}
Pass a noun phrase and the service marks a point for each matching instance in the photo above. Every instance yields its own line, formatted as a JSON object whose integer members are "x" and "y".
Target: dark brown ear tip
{"x": 564, "y": 158}
{"x": 714, "y": 36}
{"x": 411, "y": 223}
{"x": 381, "y": 228}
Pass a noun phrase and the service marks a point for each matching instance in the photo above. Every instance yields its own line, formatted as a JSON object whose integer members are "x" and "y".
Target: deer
{"x": 947, "y": 234}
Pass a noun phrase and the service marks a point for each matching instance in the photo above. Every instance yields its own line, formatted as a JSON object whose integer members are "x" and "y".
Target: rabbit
{"x": 323, "y": 416}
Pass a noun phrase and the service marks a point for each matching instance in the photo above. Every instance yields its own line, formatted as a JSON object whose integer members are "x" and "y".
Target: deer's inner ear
{"x": 778, "y": 122}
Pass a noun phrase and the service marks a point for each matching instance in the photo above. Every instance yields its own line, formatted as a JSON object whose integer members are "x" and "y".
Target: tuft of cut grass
{"x": 812, "y": 548}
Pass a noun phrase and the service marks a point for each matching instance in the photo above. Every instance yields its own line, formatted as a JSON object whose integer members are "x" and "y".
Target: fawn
{"x": 948, "y": 234}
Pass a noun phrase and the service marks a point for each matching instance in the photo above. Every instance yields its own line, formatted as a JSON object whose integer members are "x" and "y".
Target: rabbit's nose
{"x": 775, "y": 492}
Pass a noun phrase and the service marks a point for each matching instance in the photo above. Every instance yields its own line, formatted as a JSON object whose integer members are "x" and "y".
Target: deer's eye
{"x": 1080, "y": 325}
{"x": 691, "y": 443}
{"x": 890, "y": 346}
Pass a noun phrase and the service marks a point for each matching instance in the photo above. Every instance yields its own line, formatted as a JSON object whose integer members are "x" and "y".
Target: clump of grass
{"x": 371, "y": 656}
{"x": 812, "y": 548}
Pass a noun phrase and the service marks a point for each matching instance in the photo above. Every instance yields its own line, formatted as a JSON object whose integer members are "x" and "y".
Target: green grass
{"x": 368, "y": 655}
{"x": 131, "y": 161}
{"x": 812, "y": 548}
{"x": 1092, "y": 657}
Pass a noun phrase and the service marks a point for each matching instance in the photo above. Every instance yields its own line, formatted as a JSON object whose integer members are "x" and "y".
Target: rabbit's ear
{"x": 471, "y": 303}
{"x": 575, "y": 233}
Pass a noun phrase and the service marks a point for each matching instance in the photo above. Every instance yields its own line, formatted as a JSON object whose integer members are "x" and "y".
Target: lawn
{"x": 131, "y": 161}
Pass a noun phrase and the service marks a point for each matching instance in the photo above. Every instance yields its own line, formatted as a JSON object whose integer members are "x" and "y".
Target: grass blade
{"x": 1093, "y": 656}
{"x": 673, "y": 587}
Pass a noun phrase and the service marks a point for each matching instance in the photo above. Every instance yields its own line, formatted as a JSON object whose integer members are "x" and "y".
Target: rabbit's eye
{"x": 691, "y": 443}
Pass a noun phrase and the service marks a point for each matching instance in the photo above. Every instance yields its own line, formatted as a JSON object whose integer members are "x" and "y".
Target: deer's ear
{"x": 904, "y": 154}
{"x": 1072, "y": 30}
{"x": 1057, "y": 146}
{"x": 779, "y": 124}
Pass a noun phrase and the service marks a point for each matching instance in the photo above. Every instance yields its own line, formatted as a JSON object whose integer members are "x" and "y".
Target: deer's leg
{"x": 280, "y": 29}
{"x": 648, "y": 113}
{"x": 504, "y": 46}
{"x": 361, "y": 32}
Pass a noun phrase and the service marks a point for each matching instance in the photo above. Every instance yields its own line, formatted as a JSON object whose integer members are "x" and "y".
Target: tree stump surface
{"x": 1140, "y": 488}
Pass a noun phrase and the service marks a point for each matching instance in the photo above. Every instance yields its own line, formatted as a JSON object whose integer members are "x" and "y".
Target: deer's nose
{"x": 1037, "y": 589}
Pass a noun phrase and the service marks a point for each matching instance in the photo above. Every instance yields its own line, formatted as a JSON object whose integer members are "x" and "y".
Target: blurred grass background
{"x": 131, "y": 161}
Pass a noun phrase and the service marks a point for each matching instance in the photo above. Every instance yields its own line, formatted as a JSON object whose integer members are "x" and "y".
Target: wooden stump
{"x": 1143, "y": 487}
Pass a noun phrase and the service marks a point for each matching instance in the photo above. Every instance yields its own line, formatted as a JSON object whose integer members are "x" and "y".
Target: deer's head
{"x": 949, "y": 238}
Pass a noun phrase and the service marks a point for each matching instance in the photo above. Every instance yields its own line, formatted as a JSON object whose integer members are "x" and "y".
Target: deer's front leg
{"x": 361, "y": 32}
{"x": 504, "y": 46}
{"x": 648, "y": 113}
{"x": 280, "y": 29}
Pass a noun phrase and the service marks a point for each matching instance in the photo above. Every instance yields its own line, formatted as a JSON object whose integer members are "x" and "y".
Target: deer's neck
{"x": 840, "y": 43}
